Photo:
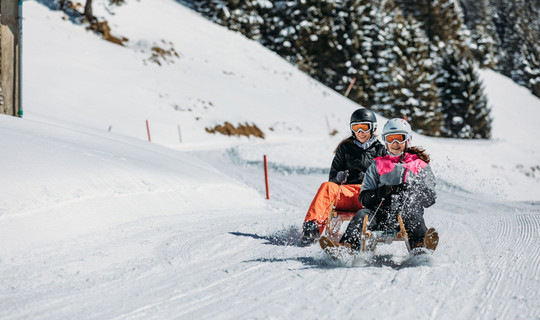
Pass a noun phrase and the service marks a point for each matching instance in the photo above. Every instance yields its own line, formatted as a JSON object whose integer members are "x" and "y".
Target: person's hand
{"x": 383, "y": 192}
{"x": 401, "y": 187}
{"x": 341, "y": 176}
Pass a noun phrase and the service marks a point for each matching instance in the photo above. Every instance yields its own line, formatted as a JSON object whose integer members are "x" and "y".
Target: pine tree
{"x": 409, "y": 90}
{"x": 335, "y": 41}
{"x": 517, "y": 30}
{"x": 244, "y": 16}
{"x": 366, "y": 63}
{"x": 464, "y": 104}
{"x": 441, "y": 19}
{"x": 483, "y": 37}
{"x": 332, "y": 41}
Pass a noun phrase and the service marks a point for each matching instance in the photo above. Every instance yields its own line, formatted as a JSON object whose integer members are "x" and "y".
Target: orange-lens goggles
{"x": 360, "y": 126}
{"x": 400, "y": 138}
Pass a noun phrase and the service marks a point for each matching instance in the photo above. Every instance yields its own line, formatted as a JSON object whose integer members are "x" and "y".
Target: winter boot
{"x": 431, "y": 239}
{"x": 311, "y": 232}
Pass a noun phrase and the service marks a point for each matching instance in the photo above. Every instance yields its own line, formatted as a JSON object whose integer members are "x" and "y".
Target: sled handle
{"x": 403, "y": 231}
{"x": 331, "y": 212}
{"x": 365, "y": 233}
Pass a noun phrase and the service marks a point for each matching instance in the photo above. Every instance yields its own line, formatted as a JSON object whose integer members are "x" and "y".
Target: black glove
{"x": 341, "y": 177}
{"x": 383, "y": 193}
{"x": 400, "y": 188}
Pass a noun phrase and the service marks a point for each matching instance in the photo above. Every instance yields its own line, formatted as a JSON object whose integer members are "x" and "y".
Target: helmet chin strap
{"x": 366, "y": 144}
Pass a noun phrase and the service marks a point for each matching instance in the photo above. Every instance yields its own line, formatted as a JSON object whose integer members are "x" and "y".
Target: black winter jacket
{"x": 350, "y": 156}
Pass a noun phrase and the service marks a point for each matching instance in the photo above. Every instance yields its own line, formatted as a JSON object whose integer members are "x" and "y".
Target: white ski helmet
{"x": 398, "y": 125}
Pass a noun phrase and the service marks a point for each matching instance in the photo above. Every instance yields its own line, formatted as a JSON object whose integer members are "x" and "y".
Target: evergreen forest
{"x": 404, "y": 58}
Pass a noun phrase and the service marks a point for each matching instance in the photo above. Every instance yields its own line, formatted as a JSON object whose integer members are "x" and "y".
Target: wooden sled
{"x": 335, "y": 220}
{"x": 370, "y": 238}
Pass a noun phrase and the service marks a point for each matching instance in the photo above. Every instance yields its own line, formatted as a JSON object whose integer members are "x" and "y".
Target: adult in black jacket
{"x": 352, "y": 158}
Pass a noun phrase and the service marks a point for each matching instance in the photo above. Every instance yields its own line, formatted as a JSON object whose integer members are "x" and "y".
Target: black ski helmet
{"x": 365, "y": 115}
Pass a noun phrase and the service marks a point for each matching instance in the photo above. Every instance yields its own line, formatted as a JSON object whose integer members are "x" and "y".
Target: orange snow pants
{"x": 328, "y": 192}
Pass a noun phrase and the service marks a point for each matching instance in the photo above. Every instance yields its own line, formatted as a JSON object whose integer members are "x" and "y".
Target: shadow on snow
{"x": 291, "y": 237}
{"x": 287, "y": 237}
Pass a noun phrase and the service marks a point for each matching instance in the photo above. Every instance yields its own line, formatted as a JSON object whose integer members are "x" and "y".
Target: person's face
{"x": 396, "y": 148}
{"x": 362, "y": 136}
{"x": 396, "y": 143}
{"x": 362, "y": 130}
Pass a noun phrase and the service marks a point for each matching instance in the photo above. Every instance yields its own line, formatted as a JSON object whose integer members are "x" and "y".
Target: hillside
{"x": 97, "y": 222}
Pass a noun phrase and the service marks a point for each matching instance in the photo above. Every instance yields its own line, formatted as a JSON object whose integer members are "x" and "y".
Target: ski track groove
{"x": 499, "y": 230}
{"x": 470, "y": 275}
{"x": 514, "y": 236}
{"x": 180, "y": 248}
{"x": 223, "y": 290}
{"x": 534, "y": 240}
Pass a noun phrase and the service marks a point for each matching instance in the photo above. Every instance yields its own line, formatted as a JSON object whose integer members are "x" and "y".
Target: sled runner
{"x": 370, "y": 238}
{"x": 329, "y": 242}
{"x": 335, "y": 221}
{"x": 335, "y": 249}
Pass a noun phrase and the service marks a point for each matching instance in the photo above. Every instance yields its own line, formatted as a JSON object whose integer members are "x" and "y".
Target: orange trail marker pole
{"x": 266, "y": 177}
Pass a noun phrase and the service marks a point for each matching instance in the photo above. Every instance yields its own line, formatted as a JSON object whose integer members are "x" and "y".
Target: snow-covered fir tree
{"x": 514, "y": 29}
{"x": 326, "y": 41}
{"x": 409, "y": 89}
{"x": 366, "y": 63}
{"x": 336, "y": 41}
{"x": 482, "y": 41}
{"x": 238, "y": 15}
{"x": 440, "y": 19}
{"x": 464, "y": 104}
{"x": 519, "y": 41}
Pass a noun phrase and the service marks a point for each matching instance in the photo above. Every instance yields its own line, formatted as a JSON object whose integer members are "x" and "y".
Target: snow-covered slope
{"x": 58, "y": 175}
{"x": 219, "y": 76}
{"x": 97, "y": 222}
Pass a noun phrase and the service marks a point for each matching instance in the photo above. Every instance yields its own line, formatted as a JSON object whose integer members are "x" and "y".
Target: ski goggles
{"x": 396, "y": 137}
{"x": 361, "y": 126}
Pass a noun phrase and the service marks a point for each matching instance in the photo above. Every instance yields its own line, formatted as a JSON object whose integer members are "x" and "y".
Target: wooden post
{"x": 350, "y": 87}
{"x": 9, "y": 54}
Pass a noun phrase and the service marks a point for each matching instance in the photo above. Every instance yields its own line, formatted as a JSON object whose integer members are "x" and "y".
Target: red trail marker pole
{"x": 266, "y": 177}
{"x": 148, "y": 131}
